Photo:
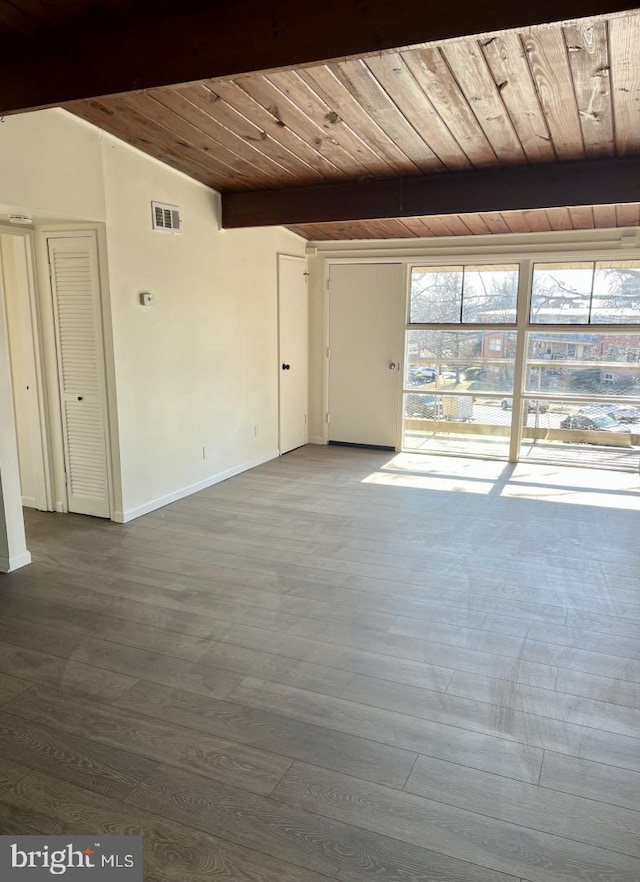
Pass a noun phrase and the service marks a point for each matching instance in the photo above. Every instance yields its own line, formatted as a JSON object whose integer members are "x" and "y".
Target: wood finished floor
{"x": 342, "y": 665}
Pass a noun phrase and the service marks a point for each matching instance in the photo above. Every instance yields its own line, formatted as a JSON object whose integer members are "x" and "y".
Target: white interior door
{"x": 293, "y": 319}
{"x": 76, "y": 300}
{"x": 366, "y": 326}
{"x": 15, "y": 277}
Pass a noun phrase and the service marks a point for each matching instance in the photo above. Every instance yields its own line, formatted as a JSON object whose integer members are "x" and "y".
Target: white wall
{"x": 197, "y": 369}
{"x": 51, "y": 164}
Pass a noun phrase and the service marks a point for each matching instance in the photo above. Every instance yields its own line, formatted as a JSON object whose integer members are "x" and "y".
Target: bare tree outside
{"x": 461, "y": 295}
{"x": 461, "y": 356}
{"x": 616, "y": 293}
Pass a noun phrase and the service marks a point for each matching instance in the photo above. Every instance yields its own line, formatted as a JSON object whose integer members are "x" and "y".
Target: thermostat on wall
{"x": 146, "y": 299}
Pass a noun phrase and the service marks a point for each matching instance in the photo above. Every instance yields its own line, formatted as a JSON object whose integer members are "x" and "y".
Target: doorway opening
{"x": 25, "y": 365}
{"x": 53, "y": 355}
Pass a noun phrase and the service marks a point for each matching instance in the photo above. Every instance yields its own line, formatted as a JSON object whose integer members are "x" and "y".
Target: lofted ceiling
{"x": 514, "y": 99}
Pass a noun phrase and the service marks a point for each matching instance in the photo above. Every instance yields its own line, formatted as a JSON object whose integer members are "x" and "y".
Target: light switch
{"x": 146, "y": 299}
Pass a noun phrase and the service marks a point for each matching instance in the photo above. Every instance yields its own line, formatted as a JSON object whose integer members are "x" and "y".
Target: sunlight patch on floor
{"x": 426, "y": 482}
{"x": 575, "y": 486}
{"x": 547, "y": 483}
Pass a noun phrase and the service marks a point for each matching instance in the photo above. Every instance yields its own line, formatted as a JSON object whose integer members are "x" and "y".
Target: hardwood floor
{"x": 342, "y": 665}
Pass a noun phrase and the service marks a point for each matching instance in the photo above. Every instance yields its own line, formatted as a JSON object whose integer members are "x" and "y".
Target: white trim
{"x": 29, "y": 501}
{"x": 402, "y": 351}
{"x": 9, "y": 564}
{"x": 10, "y": 230}
{"x": 123, "y": 517}
{"x": 317, "y": 439}
{"x": 558, "y": 244}
{"x": 326, "y": 344}
{"x": 43, "y": 447}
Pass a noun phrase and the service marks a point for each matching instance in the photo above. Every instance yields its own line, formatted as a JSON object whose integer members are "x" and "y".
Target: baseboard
{"x": 381, "y": 447}
{"x": 316, "y": 439}
{"x": 29, "y": 501}
{"x": 131, "y": 514}
{"x": 14, "y": 562}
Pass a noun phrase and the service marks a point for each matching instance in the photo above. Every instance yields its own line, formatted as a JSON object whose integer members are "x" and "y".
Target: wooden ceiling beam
{"x": 196, "y": 40}
{"x": 602, "y": 182}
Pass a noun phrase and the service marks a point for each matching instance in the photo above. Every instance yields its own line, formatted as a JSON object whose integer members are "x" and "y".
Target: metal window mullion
{"x": 408, "y": 390}
{"x": 593, "y": 282}
{"x": 525, "y": 278}
{"x": 400, "y": 423}
{"x": 467, "y": 326}
{"x": 583, "y": 328}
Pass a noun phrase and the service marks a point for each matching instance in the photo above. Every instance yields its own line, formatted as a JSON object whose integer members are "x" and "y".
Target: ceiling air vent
{"x": 165, "y": 217}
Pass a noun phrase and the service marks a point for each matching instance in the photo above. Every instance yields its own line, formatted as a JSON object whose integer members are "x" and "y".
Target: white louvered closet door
{"x": 76, "y": 299}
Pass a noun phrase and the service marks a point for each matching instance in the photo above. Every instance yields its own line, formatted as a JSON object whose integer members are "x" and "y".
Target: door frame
{"x": 281, "y": 255}
{"x": 326, "y": 289}
{"x": 41, "y": 443}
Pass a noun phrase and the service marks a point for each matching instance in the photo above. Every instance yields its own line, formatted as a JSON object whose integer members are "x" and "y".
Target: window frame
{"x": 523, "y": 327}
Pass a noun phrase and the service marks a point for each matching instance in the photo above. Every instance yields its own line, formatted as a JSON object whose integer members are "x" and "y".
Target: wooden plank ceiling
{"x": 554, "y": 93}
{"x": 54, "y": 51}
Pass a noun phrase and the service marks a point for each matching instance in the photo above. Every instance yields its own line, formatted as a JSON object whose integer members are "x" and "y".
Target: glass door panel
{"x": 458, "y": 389}
{"x": 590, "y": 387}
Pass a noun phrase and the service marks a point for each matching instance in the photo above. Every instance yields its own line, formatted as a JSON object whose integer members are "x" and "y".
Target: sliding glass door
{"x": 460, "y": 357}
{"x": 583, "y": 357}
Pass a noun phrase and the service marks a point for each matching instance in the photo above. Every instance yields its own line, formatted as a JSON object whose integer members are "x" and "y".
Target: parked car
{"x": 602, "y": 423}
{"x": 625, "y": 414}
{"x": 617, "y": 412}
{"x": 422, "y": 407}
{"x": 532, "y": 405}
{"x": 422, "y": 374}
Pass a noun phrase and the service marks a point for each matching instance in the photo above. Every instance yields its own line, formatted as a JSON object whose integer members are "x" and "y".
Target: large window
{"x": 594, "y": 292}
{"x": 461, "y": 294}
{"x": 583, "y": 363}
{"x": 460, "y": 390}
{"x": 471, "y": 361}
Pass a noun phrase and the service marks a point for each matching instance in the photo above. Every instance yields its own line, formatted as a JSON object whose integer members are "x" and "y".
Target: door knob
{"x": 286, "y": 367}
{"x": 392, "y": 365}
